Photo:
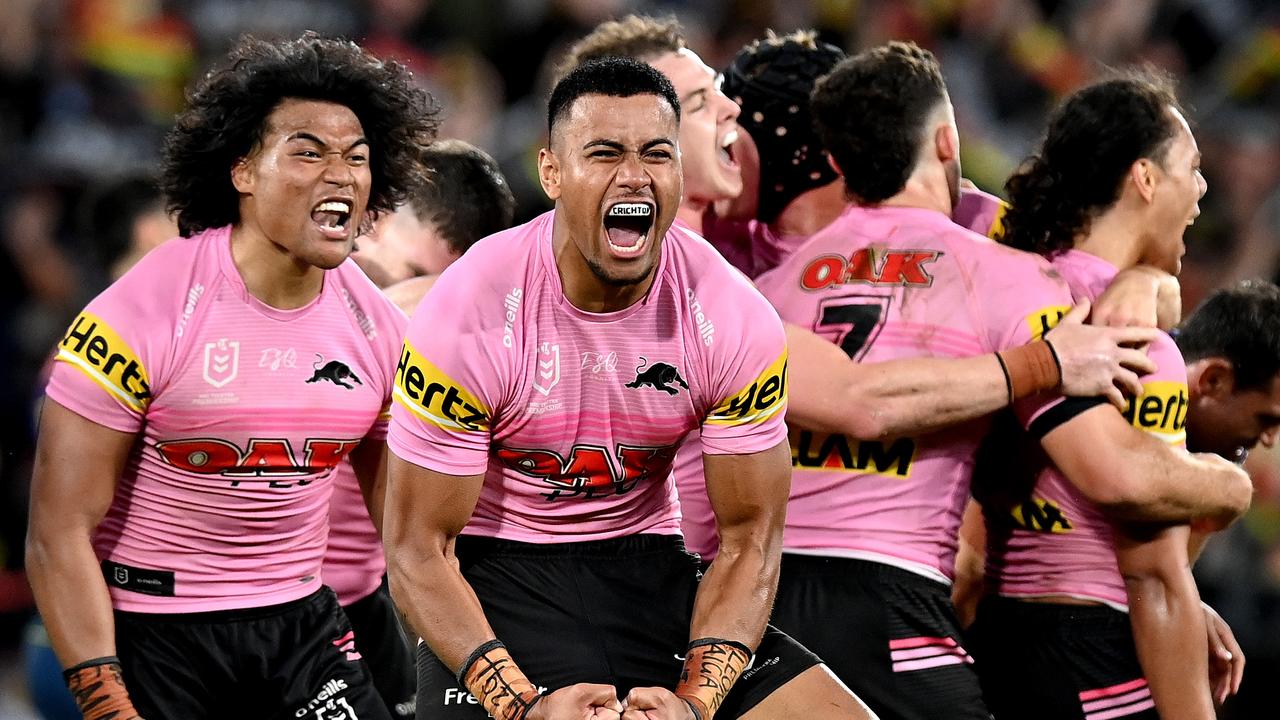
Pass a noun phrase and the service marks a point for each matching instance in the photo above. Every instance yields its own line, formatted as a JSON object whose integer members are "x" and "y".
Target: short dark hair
{"x": 1092, "y": 140}
{"x": 870, "y": 112}
{"x": 465, "y": 196}
{"x": 771, "y": 80}
{"x": 1240, "y": 323}
{"x": 109, "y": 211}
{"x": 611, "y": 76}
{"x": 227, "y": 112}
{"x": 635, "y": 36}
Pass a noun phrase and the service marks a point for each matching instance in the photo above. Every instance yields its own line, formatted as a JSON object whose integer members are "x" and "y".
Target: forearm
{"x": 438, "y": 603}
{"x": 1178, "y": 487}
{"x": 736, "y": 594}
{"x": 1168, "y": 622}
{"x": 71, "y": 595}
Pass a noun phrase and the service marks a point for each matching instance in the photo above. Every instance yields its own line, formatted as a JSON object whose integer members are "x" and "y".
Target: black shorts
{"x": 889, "y": 634}
{"x": 612, "y": 611}
{"x": 382, "y": 643}
{"x": 282, "y": 662}
{"x": 1058, "y": 662}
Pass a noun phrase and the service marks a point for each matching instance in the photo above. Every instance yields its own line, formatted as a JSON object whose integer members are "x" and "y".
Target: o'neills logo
{"x": 706, "y": 330}
{"x": 512, "y": 304}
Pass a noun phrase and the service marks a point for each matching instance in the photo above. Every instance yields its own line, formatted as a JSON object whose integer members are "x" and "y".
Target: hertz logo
{"x": 433, "y": 396}
{"x": 818, "y": 451}
{"x": 1039, "y": 515}
{"x": 765, "y": 397}
{"x": 91, "y": 345}
{"x": 1161, "y": 410}
{"x": 1044, "y": 319}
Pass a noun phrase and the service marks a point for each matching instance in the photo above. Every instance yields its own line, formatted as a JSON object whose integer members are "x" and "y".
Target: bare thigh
{"x": 814, "y": 694}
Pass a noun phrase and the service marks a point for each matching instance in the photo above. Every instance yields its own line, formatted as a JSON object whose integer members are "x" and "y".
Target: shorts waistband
{"x": 1057, "y": 615}
{"x": 857, "y": 567}
{"x": 626, "y": 546}
{"x": 234, "y": 614}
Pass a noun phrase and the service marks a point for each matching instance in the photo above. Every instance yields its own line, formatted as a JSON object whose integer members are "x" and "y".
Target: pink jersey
{"x": 1055, "y": 542}
{"x": 888, "y": 283}
{"x": 353, "y": 563}
{"x": 241, "y": 410}
{"x": 574, "y": 417}
{"x": 978, "y": 211}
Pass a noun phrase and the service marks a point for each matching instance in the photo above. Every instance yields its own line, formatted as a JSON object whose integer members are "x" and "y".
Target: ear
{"x": 946, "y": 144}
{"x": 832, "y": 162}
{"x": 1214, "y": 378}
{"x": 549, "y": 173}
{"x": 1143, "y": 174}
{"x": 243, "y": 176}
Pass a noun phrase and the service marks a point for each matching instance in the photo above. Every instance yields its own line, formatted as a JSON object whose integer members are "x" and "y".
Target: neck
{"x": 922, "y": 192}
{"x": 1112, "y": 237}
{"x": 270, "y": 273}
{"x": 581, "y": 286}
{"x": 811, "y": 210}
{"x": 690, "y": 213}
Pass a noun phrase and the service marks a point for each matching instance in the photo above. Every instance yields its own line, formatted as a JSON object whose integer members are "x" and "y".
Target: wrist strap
{"x": 98, "y": 688}
{"x": 711, "y": 667}
{"x": 1030, "y": 369}
{"x": 493, "y": 678}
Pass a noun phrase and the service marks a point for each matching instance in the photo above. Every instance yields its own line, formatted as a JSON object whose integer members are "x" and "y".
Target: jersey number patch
{"x": 857, "y": 320}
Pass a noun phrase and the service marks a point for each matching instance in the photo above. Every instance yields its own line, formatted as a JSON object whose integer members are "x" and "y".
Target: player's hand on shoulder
{"x": 1140, "y": 296}
{"x": 1100, "y": 361}
{"x": 656, "y": 703}
{"x": 583, "y": 701}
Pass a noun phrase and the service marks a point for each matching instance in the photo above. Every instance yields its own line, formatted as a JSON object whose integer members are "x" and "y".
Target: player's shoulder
{"x": 167, "y": 282}
{"x": 370, "y": 309}
{"x": 498, "y": 261}
{"x": 698, "y": 267}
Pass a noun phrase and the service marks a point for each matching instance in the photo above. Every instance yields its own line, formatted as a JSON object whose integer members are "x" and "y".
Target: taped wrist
{"x": 711, "y": 667}
{"x": 98, "y": 688}
{"x": 1030, "y": 369}
{"x": 494, "y": 679}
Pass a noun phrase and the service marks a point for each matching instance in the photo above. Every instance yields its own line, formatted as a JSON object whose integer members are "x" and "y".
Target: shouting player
{"x": 182, "y": 479}
{"x": 872, "y": 522}
{"x": 532, "y": 531}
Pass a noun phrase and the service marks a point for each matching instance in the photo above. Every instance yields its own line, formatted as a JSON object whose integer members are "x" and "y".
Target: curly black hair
{"x": 870, "y": 111}
{"x": 227, "y": 111}
{"x": 1092, "y": 140}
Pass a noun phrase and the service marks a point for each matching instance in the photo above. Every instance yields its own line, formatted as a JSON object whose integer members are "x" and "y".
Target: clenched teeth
{"x": 334, "y": 206}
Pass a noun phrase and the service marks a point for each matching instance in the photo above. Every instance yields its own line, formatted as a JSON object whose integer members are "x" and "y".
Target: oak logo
{"x": 869, "y": 266}
{"x": 819, "y": 451}
{"x": 263, "y": 458}
{"x": 1040, "y": 515}
{"x": 589, "y": 472}
{"x": 99, "y": 352}
{"x": 765, "y": 397}
{"x": 1161, "y": 410}
{"x": 435, "y": 397}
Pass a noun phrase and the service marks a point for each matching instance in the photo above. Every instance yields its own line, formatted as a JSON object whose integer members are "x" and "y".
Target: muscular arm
{"x": 424, "y": 512}
{"x": 749, "y": 496}
{"x": 73, "y": 482}
{"x": 830, "y": 393}
{"x": 1167, "y": 618}
{"x": 970, "y": 579}
{"x": 1133, "y": 476}
{"x": 369, "y": 460}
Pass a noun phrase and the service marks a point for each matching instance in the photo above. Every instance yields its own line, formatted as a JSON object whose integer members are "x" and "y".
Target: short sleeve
{"x": 446, "y": 383}
{"x": 106, "y": 365}
{"x": 749, "y": 382}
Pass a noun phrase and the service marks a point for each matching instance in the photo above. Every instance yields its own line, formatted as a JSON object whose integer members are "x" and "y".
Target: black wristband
{"x": 721, "y": 641}
{"x": 104, "y": 660}
{"x": 474, "y": 656}
{"x": 1056, "y": 360}
{"x": 1008, "y": 381}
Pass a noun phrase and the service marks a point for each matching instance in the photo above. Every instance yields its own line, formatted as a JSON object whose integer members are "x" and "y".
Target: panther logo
{"x": 658, "y": 376}
{"x": 334, "y": 371}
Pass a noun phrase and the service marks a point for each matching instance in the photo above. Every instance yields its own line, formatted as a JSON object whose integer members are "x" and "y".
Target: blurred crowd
{"x": 88, "y": 88}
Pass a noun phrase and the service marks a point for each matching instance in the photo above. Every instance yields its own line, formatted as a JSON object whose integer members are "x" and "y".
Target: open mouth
{"x": 627, "y": 226}
{"x": 332, "y": 217}
{"x": 725, "y": 152}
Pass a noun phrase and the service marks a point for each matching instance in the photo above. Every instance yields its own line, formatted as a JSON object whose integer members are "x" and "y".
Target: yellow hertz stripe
{"x": 435, "y": 397}
{"x": 1161, "y": 410}
{"x": 1043, "y": 320}
{"x": 765, "y": 397}
{"x": 997, "y": 223}
{"x": 101, "y": 354}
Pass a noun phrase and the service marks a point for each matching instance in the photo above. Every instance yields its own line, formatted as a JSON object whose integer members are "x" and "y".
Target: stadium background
{"x": 87, "y": 88}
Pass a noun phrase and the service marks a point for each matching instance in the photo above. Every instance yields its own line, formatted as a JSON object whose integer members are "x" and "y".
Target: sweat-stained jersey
{"x": 1054, "y": 541}
{"x": 889, "y": 283}
{"x": 574, "y": 417}
{"x": 977, "y": 211}
{"x": 241, "y": 411}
